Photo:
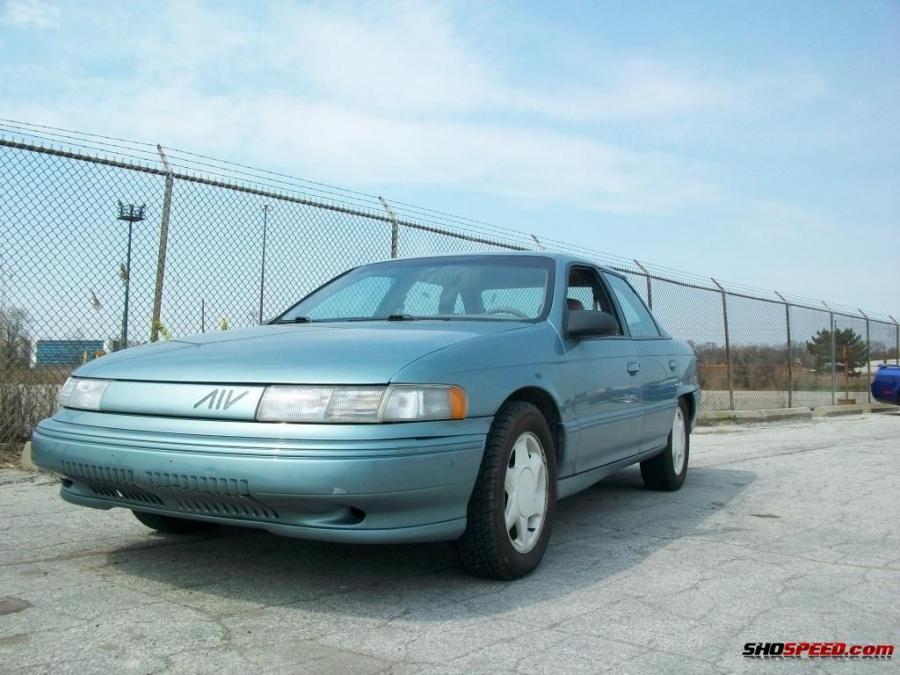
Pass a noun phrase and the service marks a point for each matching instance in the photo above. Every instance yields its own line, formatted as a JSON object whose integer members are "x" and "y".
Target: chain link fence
{"x": 219, "y": 246}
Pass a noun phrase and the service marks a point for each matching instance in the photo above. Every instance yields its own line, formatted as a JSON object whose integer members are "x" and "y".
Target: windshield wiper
{"x": 389, "y": 317}
{"x": 296, "y": 319}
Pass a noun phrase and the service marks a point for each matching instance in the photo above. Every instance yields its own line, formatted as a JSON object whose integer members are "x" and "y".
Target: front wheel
{"x": 512, "y": 504}
{"x": 668, "y": 469}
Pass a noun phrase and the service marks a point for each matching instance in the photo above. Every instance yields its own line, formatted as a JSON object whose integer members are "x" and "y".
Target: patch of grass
{"x": 10, "y": 454}
{"x": 22, "y": 406}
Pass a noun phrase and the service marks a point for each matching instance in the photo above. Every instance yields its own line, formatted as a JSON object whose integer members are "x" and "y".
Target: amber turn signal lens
{"x": 459, "y": 404}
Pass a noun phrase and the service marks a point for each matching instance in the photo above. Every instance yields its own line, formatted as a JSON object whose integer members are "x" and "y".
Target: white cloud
{"x": 382, "y": 95}
{"x": 345, "y": 145}
{"x": 35, "y": 13}
{"x": 632, "y": 90}
{"x": 520, "y": 163}
{"x": 781, "y": 223}
{"x": 411, "y": 59}
{"x": 408, "y": 61}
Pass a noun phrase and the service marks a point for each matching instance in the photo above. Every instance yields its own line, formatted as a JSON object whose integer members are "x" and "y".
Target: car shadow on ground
{"x": 598, "y": 533}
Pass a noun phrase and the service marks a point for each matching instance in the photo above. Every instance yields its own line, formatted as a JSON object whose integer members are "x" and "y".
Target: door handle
{"x": 633, "y": 367}
{"x": 672, "y": 365}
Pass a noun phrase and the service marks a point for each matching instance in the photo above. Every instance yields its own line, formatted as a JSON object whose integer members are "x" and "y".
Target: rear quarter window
{"x": 636, "y": 315}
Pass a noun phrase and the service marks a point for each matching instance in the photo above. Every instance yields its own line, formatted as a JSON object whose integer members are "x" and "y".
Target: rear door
{"x": 604, "y": 380}
{"x": 658, "y": 366}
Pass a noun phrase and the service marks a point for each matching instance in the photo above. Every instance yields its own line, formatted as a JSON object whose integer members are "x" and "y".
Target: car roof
{"x": 564, "y": 258}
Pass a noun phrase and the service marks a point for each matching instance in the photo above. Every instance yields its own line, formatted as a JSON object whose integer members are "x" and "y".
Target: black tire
{"x": 659, "y": 472}
{"x": 170, "y": 525}
{"x": 486, "y": 549}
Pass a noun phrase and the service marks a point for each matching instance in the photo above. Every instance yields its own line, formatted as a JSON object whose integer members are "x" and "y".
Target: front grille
{"x": 96, "y": 472}
{"x": 225, "y": 487}
{"x": 220, "y": 507}
{"x": 128, "y": 494}
{"x": 188, "y": 493}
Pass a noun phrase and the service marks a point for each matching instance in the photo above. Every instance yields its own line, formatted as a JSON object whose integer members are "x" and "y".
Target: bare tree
{"x": 15, "y": 344}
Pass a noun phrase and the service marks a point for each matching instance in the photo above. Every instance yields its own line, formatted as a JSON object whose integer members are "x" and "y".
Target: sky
{"x": 757, "y": 142}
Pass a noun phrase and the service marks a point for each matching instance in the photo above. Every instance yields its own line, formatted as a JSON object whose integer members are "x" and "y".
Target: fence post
{"x": 868, "y": 359}
{"x": 262, "y": 264}
{"x": 896, "y": 341}
{"x": 833, "y": 364}
{"x": 727, "y": 344}
{"x": 790, "y": 363}
{"x": 163, "y": 243}
{"x": 395, "y": 227}
{"x": 649, "y": 286}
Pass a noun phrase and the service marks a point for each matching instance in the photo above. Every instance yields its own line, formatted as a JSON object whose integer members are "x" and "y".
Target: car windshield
{"x": 498, "y": 288}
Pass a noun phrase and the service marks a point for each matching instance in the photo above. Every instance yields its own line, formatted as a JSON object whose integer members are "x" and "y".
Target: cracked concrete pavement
{"x": 785, "y": 531}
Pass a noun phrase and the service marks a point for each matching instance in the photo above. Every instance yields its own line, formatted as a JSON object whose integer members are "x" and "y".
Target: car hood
{"x": 334, "y": 353}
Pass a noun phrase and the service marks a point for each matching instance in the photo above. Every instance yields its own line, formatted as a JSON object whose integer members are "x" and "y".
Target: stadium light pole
{"x": 131, "y": 214}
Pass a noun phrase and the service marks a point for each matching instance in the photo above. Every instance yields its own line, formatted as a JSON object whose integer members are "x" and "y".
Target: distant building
{"x": 67, "y": 352}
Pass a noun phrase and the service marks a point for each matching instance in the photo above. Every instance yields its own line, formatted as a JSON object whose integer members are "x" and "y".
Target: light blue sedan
{"x": 443, "y": 398}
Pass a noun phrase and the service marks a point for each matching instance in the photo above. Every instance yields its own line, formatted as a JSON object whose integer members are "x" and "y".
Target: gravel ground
{"x": 783, "y": 532}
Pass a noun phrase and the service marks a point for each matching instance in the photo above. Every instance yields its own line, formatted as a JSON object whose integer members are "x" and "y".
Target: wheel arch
{"x": 691, "y": 401}
{"x": 544, "y": 401}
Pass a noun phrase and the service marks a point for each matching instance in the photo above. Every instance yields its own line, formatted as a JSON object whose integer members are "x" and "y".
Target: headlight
{"x": 396, "y": 403}
{"x": 320, "y": 404}
{"x": 82, "y": 394}
{"x": 412, "y": 402}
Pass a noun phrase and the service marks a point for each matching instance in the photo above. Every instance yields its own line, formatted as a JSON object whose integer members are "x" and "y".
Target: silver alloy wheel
{"x": 679, "y": 441}
{"x": 526, "y": 492}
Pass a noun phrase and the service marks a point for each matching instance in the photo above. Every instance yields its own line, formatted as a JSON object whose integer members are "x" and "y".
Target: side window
{"x": 354, "y": 301}
{"x": 636, "y": 315}
{"x": 585, "y": 291}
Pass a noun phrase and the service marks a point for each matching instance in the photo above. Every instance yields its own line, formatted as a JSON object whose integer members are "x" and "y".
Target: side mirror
{"x": 584, "y": 323}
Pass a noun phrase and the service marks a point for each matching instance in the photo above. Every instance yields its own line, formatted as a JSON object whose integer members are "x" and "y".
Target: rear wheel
{"x": 514, "y": 498}
{"x": 170, "y": 525}
{"x": 668, "y": 469}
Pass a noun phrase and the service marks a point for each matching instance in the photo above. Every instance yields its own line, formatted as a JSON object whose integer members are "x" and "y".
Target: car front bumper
{"x": 352, "y": 483}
